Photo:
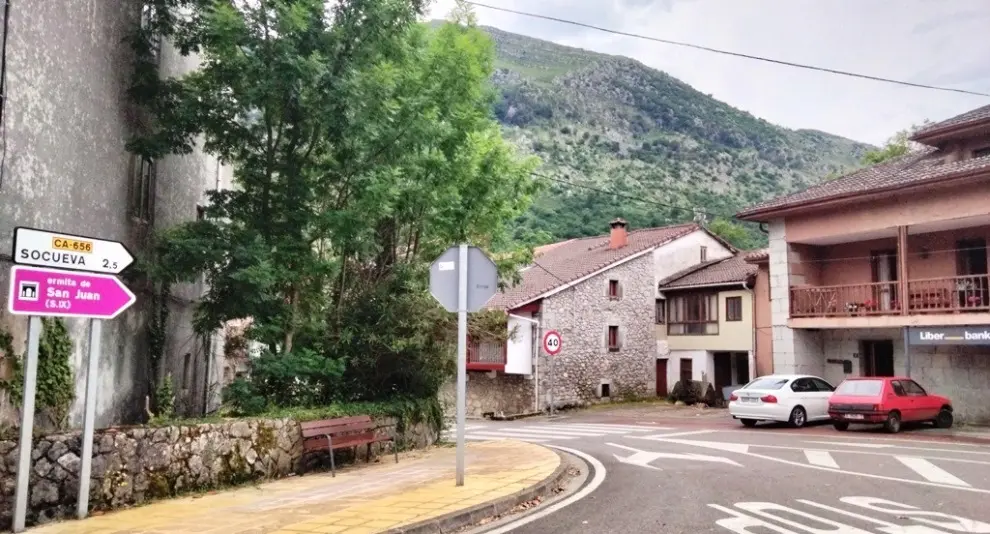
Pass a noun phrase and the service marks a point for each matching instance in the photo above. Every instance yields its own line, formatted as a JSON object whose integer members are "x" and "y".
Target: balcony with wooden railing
{"x": 947, "y": 295}
{"x": 486, "y": 356}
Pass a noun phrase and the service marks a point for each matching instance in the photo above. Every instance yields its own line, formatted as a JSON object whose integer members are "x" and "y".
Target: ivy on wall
{"x": 56, "y": 387}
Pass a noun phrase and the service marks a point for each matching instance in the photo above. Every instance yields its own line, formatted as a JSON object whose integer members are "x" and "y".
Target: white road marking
{"x": 930, "y": 471}
{"x": 853, "y": 436}
{"x": 765, "y": 509}
{"x": 868, "y": 453}
{"x": 627, "y": 428}
{"x": 596, "y": 481}
{"x": 520, "y": 437}
{"x": 744, "y": 449}
{"x": 885, "y": 446}
{"x": 672, "y": 434}
{"x": 848, "y": 513}
{"x": 551, "y": 432}
{"x": 853, "y": 444}
{"x": 822, "y": 458}
{"x": 643, "y": 458}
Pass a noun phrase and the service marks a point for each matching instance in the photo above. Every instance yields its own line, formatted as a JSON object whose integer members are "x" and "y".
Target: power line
{"x": 735, "y": 54}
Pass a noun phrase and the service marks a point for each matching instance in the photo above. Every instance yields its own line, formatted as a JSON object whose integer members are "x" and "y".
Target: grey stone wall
{"x": 501, "y": 394}
{"x": 139, "y": 464}
{"x": 582, "y": 315}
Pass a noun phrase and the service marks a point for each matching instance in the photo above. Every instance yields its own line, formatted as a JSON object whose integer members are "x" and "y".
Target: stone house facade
{"x": 66, "y": 120}
{"x": 600, "y": 295}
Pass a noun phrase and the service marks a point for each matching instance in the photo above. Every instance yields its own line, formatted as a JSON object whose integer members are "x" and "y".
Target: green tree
{"x": 896, "y": 146}
{"x": 736, "y": 234}
{"x": 362, "y": 145}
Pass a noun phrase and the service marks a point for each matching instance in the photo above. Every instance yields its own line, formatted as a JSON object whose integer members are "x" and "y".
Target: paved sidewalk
{"x": 360, "y": 500}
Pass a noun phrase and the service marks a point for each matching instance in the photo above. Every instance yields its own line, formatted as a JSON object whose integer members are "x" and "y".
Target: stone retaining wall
{"x": 138, "y": 464}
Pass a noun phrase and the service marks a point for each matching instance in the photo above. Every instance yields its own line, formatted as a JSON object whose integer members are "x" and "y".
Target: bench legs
{"x": 333, "y": 468}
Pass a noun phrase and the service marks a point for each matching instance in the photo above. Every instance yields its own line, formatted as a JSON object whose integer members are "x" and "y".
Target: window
{"x": 733, "y": 308}
{"x": 143, "y": 189}
{"x": 614, "y": 292}
{"x": 687, "y": 369}
{"x": 766, "y": 383}
{"x": 913, "y": 389}
{"x": 154, "y": 40}
{"x": 661, "y": 311}
{"x": 860, "y": 388}
{"x": 822, "y": 385}
{"x": 981, "y": 152}
{"x": 606, "y": 391}
{"x": 802, "y": 385}
{"x": 704, "y": 254}
{"x": 614, "y": 341}
{"x": 695, "y": 314}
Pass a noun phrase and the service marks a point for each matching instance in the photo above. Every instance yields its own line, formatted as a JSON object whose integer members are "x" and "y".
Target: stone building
{"x": 861, "y": 265}
{"x": 600, "y": 294}
{"x": 65, "y": 120}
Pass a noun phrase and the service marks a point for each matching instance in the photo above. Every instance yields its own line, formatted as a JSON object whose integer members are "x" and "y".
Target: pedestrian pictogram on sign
{"x": 551, "y": 343}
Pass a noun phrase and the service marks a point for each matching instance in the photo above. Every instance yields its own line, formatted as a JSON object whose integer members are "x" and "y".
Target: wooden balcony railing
{"x": 935, "y": 295}
{"x": 949, "y": 295}
{"x": 486, "y": 356}
{"x": 879, "y": 298}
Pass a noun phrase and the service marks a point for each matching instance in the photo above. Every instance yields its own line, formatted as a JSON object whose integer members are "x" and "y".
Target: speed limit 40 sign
{"x": 551, "y": 342}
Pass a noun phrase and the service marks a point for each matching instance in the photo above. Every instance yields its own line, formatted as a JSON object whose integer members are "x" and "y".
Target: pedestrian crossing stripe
{"x": 542, "y": 433}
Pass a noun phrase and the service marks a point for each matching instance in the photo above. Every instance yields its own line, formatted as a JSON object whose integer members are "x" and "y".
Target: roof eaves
{"x": 759, "y": 214}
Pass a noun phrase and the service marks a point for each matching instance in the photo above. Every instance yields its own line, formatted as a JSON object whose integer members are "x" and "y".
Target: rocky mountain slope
{"x": 614, "y": 124}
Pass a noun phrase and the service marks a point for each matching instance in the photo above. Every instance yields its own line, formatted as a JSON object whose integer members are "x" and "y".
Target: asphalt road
{"x": 686, "y": 473}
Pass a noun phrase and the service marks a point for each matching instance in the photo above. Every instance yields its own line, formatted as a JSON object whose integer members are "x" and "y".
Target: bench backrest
{"x": 341, "y": 425}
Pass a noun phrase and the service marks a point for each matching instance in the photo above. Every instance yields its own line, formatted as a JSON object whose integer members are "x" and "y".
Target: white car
{"x": 794, "y": 399}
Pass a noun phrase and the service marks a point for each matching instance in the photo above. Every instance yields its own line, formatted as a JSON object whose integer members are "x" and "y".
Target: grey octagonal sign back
{"x": 482, "y": 279}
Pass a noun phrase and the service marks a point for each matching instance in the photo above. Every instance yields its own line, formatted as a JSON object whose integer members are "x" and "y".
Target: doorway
{"x": 877, "y": 358}
{"x": 662, "y": 390}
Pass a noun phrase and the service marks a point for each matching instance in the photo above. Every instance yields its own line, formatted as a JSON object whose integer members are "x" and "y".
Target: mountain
{"x": 613, "y": 124}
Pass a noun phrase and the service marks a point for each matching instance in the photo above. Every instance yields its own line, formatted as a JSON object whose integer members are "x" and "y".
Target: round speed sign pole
{"x": 552, "y": 346}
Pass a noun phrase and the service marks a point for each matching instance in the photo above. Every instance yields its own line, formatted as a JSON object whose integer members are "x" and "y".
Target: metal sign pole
{"x": 89, "y": 420}
{"x": 27, "y": 423}
{"x": 550, "y": 359}
{"x": 462, "y": 287}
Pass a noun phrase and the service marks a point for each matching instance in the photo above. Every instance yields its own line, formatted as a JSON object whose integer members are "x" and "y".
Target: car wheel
{"x": 841, "y": 425}
{"x": 798, "y": 417}
{"x": 748, "y": 422}
{"x": 893, "y": 423}
{"x": 943, "y": 419}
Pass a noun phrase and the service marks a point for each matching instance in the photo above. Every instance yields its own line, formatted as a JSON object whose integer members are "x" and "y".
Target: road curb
{"x": 475, "y": 514}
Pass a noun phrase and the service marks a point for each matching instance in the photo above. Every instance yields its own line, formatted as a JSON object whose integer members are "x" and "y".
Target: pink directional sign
{"x": 52, "y": 292}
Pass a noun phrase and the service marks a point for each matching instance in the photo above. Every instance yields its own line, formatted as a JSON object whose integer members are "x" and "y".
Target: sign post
{"x": 462, "y": 279}
{"x": 38, "y": 290}
{"x": 552, "y": 346}
{"x": 27, "y": 423}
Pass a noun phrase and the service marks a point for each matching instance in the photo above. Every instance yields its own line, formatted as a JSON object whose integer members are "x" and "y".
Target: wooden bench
{"x": 343, "y": 433}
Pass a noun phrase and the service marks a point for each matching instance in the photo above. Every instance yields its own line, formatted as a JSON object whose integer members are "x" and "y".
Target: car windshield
{"x": 862, "y": 388}
{"x": 766, "y": 383}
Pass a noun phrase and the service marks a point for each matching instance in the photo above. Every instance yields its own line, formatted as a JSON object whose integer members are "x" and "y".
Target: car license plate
{"x": 749, "y": 399}
{"x": 854, "y": 416}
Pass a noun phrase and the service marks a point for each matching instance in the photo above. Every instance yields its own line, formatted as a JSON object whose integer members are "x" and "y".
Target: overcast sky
{"x": 936, "y": 42}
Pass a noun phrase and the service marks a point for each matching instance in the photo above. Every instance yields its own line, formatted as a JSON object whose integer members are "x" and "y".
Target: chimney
{"x": 620, "y": 234}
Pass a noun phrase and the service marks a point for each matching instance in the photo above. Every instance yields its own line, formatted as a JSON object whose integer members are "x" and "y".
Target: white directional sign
{"x": 43, "y": 248}
{"x": 643, "y": 458}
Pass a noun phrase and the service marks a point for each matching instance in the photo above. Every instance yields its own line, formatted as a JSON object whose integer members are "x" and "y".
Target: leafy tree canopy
{"x": 362, "y": 145}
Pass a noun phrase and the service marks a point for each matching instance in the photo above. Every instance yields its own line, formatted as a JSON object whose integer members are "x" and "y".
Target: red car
{"x": 888, "y": 401}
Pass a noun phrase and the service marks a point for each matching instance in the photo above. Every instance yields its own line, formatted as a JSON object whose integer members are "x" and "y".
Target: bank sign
{"x": 950, "y": 335}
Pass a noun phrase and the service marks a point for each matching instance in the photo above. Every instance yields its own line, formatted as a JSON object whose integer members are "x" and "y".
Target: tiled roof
{"x": 570, "y": 260}
{"x": 972, "y": 116}
{"x": 731, "y": 270}
{"x": 910, "y": 169}
{"x": 758, "y": 256}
